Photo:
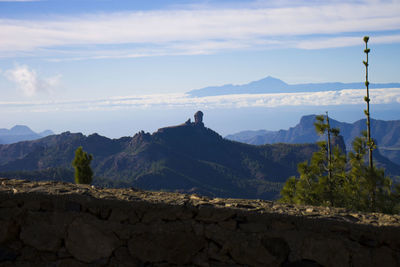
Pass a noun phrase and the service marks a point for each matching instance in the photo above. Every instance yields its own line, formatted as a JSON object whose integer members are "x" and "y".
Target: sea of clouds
{"x": 182, "y": 100}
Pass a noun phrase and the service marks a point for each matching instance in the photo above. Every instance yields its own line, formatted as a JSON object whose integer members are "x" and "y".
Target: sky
{"x": 116, "y": 67}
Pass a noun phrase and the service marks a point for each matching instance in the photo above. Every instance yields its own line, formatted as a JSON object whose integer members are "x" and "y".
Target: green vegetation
{"x": 81, "y": 164}
{"x": 342, "y": 182}
{"x": 329, "y": 180}
{"x": 321, "y": 181}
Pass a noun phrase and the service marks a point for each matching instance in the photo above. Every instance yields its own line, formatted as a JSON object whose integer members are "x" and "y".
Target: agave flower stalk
{"x": 370, "y": 142}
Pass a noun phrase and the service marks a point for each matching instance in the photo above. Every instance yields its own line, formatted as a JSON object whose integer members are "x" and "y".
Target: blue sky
{"x": 76, "y": 65}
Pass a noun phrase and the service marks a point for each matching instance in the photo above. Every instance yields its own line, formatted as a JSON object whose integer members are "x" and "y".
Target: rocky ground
{"x": 259, "y": 206}
{"x": 63, "y": 224}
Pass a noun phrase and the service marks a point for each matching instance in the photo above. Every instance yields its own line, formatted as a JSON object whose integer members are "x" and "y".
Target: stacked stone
{"x": 61, "y": 224}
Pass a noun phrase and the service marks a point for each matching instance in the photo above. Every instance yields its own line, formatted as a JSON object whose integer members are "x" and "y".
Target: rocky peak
{"x": 140, "y": 138}
{"x": 198, "y": 118}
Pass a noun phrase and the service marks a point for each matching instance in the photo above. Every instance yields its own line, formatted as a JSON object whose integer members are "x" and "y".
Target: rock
{"x": 277, "y": 247}
{"x": 8, "y": 231}
{"x": 124, "y": 258}
{"x": 216, "y": 253}
{"x": 10, "y": 213}
{"x": 32, "y": 205}
{"x": 198, "y": 118}
{"x": 229, "y": 225}
{"x": 88, "y": 241}
{"x": 133, "y": 217}
{"x": 201, "y": 260}
{"x": 47, "y": 205}
{"x": 253, "y": 227}
{"x": 247, "y": 249}
{"x": 321, "y": 250}
{"x": 282, "y": 225}
{"x": 118, "y": 215}
{"x": 210, "y": 214}
{"x": 303, "y": 263}
{"x": 154, "y": 214}
{"x": 70, "y": 263}
{"x": 7, "y": 254}
{"x": 72, "y": 206}
{"x": 384, "y": 256}
{"x": 174, "y": 247}
{"x": 45, "y": 231}
{"x": 29, "y": 254}
{"x": 8, "y": 204}
{"x": 218, "y": 234}
{"x": 63, "y": 253}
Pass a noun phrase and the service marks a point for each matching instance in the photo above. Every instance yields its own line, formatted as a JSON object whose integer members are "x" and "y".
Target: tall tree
{"x": 321, "y": 180}
{"x": 81, "y": 164}
{"x": 323, "y": 126}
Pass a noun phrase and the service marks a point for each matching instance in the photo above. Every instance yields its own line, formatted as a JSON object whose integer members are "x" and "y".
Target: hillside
{"x": 386, "y": 133}
{"x": 20, "y": 133}
{"x": 184, "y": 158}
{"x": 270, "y": 85}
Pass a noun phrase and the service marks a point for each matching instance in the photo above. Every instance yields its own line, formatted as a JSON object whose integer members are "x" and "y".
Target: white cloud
{"x": 176, "y": 101}
{"x": 28, "y": 82}
{"x": 207, "y": 30}
{"x": 319, "y": 43}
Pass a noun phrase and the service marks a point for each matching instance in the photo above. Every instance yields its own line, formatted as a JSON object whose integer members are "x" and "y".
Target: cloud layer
{"x": 28, "y": 82}
{"x": 176, "y": 101}
{"x": 202, "y": 30}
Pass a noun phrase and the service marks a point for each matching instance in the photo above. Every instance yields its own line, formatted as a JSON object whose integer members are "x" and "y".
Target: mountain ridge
{"x": 185, "y": 158}
{"x": 386, "y": 134}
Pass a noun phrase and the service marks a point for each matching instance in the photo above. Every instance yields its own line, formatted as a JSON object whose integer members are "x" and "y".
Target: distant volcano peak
{"x": 272, "y": 85}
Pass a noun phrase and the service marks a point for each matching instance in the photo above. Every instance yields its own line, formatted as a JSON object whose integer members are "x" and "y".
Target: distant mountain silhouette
{"x": 185, "y": 158}
{"x": 274, "y": 85}
{"x": 20, "y": 133}
{"x": 46, "y": 133}
{"x": 386, "y": 133}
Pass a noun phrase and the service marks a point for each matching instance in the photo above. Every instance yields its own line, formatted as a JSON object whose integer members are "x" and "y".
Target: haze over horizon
{"x": 117, "y": 67}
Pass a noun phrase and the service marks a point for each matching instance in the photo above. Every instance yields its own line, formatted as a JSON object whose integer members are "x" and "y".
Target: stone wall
{"x": 61, "y": 224}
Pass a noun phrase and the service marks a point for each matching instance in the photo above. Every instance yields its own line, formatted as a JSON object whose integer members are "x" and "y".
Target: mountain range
{"x": 185, "y": 158}
{"x": 386, "y": 134}
{"x": 20, "y": 133}
{"x": 270, "y": 85}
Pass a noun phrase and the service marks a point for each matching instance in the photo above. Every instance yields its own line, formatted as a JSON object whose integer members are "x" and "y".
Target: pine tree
{"x": 356, "y": 185}
{"x": 322, "y": 126}
{"x": 81, "y": 164}
{"x": 330, "y": 183}
{"x": 368, "y": 189}
{"x": 288, "y": 191}
{"x": 321, "y": 180}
